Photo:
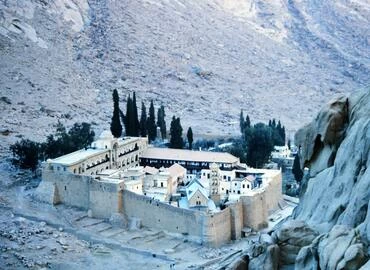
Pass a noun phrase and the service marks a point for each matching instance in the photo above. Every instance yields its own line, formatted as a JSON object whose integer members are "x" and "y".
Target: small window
{"x": 243, "y": 186}
{"x": 161, "y": 184}
{"x": 236, "y": 184}
{"x": 65, "y": 187}
{"x": 64, "y": 168}
{"x": 238, "y": 191}
{"x": 224, "y": 176}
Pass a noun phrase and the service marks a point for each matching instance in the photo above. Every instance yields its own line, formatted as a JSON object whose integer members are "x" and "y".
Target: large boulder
{"x": 341, "y": 248}
{"x": 264, "y": 256}
{"x": 291, "y": 237}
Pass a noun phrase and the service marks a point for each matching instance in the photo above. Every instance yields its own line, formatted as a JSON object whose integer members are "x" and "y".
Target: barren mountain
{"x": 204, "y": 60}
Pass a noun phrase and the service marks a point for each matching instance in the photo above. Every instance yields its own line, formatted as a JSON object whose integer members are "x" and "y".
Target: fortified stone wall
{"x": 216, "y": 228}
{"x": 255, "y": 211}
{"x": 236, "y": 212}
{"x": 71, "y": 189}
{"x": 273, "y": 194}
{"x": 258, "y": 207}
{"x": 105, "y": 198}
{"x": 211, "y": 229}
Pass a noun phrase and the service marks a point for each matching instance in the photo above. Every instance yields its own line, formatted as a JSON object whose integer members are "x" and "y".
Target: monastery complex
{"x": 209, "y": 197}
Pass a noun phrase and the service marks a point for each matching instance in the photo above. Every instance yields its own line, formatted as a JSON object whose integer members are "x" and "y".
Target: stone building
{"x": 105, "y": 153}
{"x": 106, "y": 179}
{"x": 192, "y": 161}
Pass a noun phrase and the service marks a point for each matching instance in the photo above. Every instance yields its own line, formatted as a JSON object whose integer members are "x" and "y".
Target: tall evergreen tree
{"x": 241, "y": 122}
{"x": 143, "y": 118}
{"x": 273, "y": 123}
{"x": 151, "y": 126}
{"x": 259, "y": 145}
{"x": 296, "y": 170}
{"x": 161, "y": 123}
{"x": 176, "y": 140}
{"x": 129, "y": 117}
{"x": 189, "y": 135}
{"x": 115, "y": 126}
{"x": 247, "y": 122}
{"x": 135, "y": 118}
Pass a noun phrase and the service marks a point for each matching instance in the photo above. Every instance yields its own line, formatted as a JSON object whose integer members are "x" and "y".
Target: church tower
{"x": 214, "y": 183}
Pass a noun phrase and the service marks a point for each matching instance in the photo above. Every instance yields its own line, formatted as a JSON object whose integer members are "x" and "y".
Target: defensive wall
{"x": 257, "y": 207}
{"x": 82, "y": 191}
{"x": 210, "y": 229}
{"x": 104, "y": 198}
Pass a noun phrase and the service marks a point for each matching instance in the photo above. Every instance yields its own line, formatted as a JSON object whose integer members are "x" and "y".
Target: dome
{"x": 106, "y": 134}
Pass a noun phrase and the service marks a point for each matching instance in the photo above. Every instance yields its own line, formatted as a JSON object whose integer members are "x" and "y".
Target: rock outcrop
{"x": 336, "y": 148}
{"x": 341, "y": 248}
{"x": 330, "y": 228}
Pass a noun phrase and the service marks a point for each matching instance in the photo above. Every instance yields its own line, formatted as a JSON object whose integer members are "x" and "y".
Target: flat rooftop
{"x": 188, "y": 155}
{"x": 77, "y": 156}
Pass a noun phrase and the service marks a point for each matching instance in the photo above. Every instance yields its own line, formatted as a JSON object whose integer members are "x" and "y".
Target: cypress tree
{"x": 161, "y": 123}
{"x": 151, "y": 126}
{"x": 259, "y": 145}
{"x": 247, "y": 122}
{"x": 176, "y": 140}
{"x": 296, "y": 170}
{"x": 135, "y": 118}
{"x": 241, "y": 122}
{"x": 115, "y": 126}
{"x": 128, "y": 117}
{"x": 189, "y": 135}
{"x": 143, "y": 118}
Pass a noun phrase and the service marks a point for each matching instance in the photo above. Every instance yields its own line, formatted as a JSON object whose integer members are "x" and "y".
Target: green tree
{"x": 151, "y": 126}
{"x": 247, "y": 123}
{"x": 130, "y": 117}
{"x": 296, "y": 170}
{"x": 189, "y": 135}
{"x": 241, "y": 121}
{"x": 135, "y": 119}
{"x": 143, "y": 118}
{"x": 115, "y": 126}
{"x": 176, "y": 140}
{"x": 26, "y": 154}
{"x": 161, "y": 123}
{"x": 259, "y": 145}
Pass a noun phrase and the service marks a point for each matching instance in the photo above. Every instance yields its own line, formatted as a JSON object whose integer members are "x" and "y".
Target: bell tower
{"x": 214, "y": 183}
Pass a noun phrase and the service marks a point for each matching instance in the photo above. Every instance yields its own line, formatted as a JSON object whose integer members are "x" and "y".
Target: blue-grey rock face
{"x": 338, "y": 192}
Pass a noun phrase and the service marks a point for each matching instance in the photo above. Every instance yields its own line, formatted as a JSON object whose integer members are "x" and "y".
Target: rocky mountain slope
{"x": 330, "y": 227}
{"x": 204, "y": 60}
